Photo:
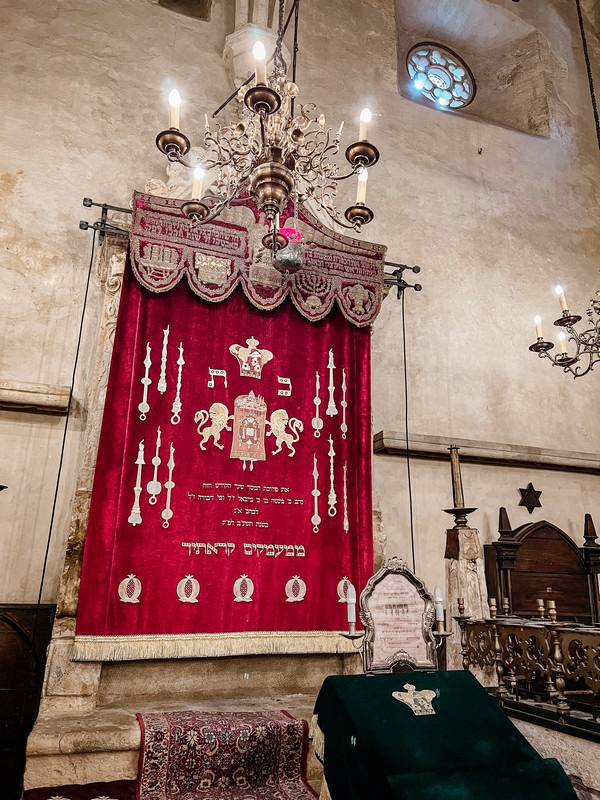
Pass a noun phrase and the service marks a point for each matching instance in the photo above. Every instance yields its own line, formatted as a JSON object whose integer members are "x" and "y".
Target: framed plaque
{"x": 398, "y": 614}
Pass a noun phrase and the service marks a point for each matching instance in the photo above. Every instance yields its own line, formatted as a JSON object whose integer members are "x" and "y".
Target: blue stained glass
{"x": 440, "y": 76}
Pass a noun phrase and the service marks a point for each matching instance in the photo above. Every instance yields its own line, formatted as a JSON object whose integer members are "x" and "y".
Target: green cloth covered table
{"x": 375, "y": 747}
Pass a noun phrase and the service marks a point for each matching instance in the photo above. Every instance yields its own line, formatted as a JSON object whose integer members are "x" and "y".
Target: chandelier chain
{"x": 588, "y": 67}
{"x": 278, "y": 59}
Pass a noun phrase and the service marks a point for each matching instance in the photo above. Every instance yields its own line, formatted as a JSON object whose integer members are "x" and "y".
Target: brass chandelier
{"x": 272, "y": 154}
{"x": 586, "y": 343}
{"x": 580, "y": 357}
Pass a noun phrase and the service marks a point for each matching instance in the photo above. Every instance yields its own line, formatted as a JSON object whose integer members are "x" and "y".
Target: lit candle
{"x": 365, "y": 118}
{"x": 361, "y": 187}
{"x": 260, "y": 63}
{"x": 538, "y": 326}
{"x": 438, "y": 602}
{"x": 351, "y": 603}
{"x": 561, "y": 298}
{"x": 197, "y": 187}
{"x": 563, "y": 343}
{"x": 174, "y": 103}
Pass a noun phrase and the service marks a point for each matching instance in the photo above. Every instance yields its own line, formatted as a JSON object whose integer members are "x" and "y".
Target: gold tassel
{"x": 318, "y": 739}
{"x": 207, "y": 645}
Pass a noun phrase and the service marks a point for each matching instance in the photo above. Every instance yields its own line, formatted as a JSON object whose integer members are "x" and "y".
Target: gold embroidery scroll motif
{"x": 251, "y": 359}
{"x": 249, "y": 417}
{"x": 419, "y": 702}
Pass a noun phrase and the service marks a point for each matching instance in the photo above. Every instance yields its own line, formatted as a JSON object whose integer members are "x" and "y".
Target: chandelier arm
{"x": 333, "y": 214}
{"x": 213, "y": 214}
{"x": 305, "y": 109}
{"x": 355, "y": 171}
{"x": 578, "y": 372}
{"x": 175, "y": 156}
{"x": 588, "y": 339}
{"x": 575, "y": 366}
{"x": 223, "y": 202}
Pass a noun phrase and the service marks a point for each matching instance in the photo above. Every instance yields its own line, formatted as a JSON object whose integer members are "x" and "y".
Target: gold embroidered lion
{"x": 218, "y": 414}
{"x": 278, "y": 424}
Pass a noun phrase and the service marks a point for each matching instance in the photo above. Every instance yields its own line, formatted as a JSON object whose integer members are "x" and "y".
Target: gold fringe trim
{"x": 207, "y": 645}
{"x": 324, "y": 791}
{"x": 317, "y": 737}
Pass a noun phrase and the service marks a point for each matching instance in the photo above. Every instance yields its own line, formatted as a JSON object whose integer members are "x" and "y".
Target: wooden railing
{"x": 549, "y": 669}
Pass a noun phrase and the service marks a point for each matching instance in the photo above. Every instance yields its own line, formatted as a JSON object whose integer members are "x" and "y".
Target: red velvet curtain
{"x": 249, "y": 507}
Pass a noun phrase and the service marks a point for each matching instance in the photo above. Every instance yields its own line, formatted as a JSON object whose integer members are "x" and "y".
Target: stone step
{"x": 104, "y": 744}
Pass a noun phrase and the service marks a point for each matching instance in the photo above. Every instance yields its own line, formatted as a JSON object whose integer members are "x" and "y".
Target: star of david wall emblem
{"x": 530, "y": 498}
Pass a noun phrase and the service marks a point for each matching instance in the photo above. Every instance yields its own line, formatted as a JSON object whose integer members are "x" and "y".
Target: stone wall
{"x": 494, "y": 216}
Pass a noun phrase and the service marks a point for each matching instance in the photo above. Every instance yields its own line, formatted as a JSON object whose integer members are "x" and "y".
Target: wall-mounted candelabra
{"x": 579, "y": 357}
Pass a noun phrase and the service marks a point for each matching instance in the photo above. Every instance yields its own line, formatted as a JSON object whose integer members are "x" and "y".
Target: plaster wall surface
{"x": 565, "y": 499}
{"x": 494, "y": 217}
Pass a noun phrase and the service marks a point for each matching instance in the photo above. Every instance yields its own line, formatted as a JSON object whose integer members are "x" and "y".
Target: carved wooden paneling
{"x": 24, "y": 636}
{"x": 539, "y": 560}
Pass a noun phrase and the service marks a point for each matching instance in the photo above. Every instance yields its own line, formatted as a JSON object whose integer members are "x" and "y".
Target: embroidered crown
{"x": 251, "y": 359}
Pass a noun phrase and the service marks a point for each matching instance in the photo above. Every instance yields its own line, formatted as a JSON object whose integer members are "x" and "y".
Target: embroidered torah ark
{"x": 231, "y": 505}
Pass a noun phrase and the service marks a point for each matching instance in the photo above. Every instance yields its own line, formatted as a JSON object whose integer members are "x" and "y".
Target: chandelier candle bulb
{"x": 197, "y": 186}
{"x": 339, "y": 133}
{"x": 361, "y": 187}
{"x": 365, "y": 119}
{"x": 438, "y": 602}
{"x": 561, "y": 298}
{"x": 351, "y": 604}
{"x": 174, "y": 103}
{"x": 538, "y": 327}
{"x": 260, "y": 63}
{"x": 563, "y": 343}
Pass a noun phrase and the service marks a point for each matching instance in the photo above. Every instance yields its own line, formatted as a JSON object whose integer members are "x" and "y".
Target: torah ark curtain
{"x": 231, "y": 505}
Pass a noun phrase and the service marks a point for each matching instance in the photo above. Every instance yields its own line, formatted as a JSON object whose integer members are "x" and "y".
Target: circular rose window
{"x": 440, "y": 75}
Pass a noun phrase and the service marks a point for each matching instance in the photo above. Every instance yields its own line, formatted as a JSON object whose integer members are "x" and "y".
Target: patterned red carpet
{"x": 226, "y": 756}
{"x": 190, "y": 755}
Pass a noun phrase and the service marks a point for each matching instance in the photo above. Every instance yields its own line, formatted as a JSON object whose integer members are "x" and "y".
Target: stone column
{"x": 69, "y": 685}
{"x": 465, "y": 573}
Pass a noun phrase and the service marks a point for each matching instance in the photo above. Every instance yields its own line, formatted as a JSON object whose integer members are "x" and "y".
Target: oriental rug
{"x": 188, "y": 755}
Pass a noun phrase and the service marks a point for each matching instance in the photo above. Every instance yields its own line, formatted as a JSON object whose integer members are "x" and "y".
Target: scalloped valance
{"x": 226, "y": 253}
